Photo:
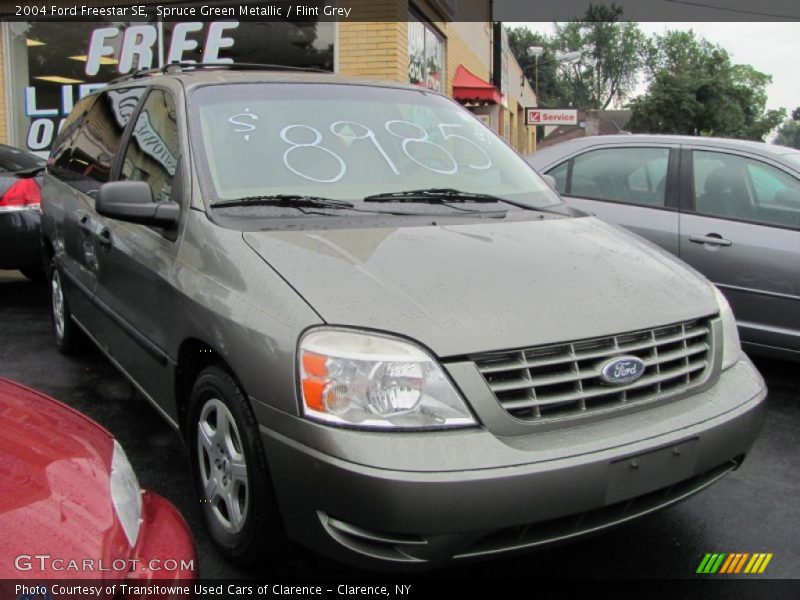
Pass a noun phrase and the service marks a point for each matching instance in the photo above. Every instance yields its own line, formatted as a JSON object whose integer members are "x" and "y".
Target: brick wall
{"x": 375, "y": 49}
{"x": 468, "y": 44}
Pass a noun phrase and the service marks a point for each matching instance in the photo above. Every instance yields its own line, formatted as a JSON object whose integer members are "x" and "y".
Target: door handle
{"x": 711, "y": 238}
{"x": 104, "y": 238}
{"x": 84, "y": 222}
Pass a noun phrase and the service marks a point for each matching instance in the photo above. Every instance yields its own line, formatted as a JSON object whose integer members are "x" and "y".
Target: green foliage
{"x": 551, "y": 86}
{"x": 789, "y": 132}
{"x": 695, "y": 89}
{"x": 612, "y": 54}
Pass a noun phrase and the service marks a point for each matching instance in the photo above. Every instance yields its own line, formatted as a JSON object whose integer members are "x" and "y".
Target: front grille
{"x": 563, "y": 380}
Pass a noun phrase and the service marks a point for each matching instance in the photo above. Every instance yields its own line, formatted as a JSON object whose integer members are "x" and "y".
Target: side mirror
{"x": 551, "y": 181}
{"x": 132, "y": 201}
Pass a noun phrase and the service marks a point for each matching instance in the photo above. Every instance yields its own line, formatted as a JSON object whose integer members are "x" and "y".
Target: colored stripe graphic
{"x": 732, "y": 559}
{"x": 711, "y": 563}
{"x": 758, "y": 563}
{"x": 734, "y": 562}
{"x": 741, "y": 562}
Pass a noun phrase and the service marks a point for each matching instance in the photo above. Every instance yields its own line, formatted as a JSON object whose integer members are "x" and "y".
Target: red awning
{"x": 468, "y": 87}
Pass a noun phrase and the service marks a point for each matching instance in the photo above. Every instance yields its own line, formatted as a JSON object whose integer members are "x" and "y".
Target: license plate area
{"x": 644, "y": 473}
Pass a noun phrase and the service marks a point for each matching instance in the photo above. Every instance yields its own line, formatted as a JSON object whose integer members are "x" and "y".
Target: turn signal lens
{"x": 731, "y": 346}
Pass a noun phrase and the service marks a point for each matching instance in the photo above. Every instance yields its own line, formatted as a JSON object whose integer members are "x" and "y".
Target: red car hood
{"x": 54, "y": 488}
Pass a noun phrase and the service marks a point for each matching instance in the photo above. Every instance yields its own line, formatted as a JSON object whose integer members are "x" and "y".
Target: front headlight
{"x": 370, "y": 380}
{"x": 126, "y": 495}
{"x": 731, "y": 347}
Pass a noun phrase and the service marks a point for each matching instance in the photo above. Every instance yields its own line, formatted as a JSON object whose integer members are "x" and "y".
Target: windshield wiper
{"x": 284, "y": 200}
{"x": 434, "y": 196}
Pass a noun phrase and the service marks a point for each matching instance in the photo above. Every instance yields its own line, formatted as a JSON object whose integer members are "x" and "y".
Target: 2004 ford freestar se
{"x": 379, "y": 331}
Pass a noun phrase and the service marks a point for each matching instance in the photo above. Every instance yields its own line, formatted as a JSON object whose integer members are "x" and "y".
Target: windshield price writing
{"x": 415, "y": 142}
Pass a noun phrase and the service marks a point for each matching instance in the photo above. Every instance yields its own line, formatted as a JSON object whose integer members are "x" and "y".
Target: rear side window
{"x": 85, "y": 152}
{"x": 739, "y": 187}
{"x": 630, "y": 175}
{"x": 152, "y": 154}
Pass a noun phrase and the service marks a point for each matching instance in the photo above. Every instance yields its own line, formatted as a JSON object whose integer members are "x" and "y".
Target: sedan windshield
{"x": 350, "y": 142}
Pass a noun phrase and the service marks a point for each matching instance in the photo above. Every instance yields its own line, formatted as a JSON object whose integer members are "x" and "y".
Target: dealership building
{"x": 47, "y": 65}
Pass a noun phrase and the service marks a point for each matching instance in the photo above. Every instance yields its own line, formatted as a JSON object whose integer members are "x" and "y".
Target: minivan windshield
{"x": 350, "y": 142}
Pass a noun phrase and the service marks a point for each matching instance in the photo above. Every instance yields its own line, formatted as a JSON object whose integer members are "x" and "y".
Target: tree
{"x": 612, "y": 55}
{"x": 695, "y": 89}
{"x": 789, "y": 132}
{"x": 550, "y": 90}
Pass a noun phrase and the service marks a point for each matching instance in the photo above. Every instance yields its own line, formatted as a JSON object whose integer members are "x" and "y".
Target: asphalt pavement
{"x": 754, "y": 509}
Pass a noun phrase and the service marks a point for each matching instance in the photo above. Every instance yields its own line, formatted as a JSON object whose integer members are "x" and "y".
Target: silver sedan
{"x": 729, "y": 208}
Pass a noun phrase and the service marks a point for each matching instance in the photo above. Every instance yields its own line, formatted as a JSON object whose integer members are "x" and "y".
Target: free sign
{"x": 551, "y": 116}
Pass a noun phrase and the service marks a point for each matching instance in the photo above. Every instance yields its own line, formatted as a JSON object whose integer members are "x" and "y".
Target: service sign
{"x": 551, "y": 116}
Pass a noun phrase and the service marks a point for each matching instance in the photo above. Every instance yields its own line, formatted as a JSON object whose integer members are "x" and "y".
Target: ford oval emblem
{"x": 622, "y": 369}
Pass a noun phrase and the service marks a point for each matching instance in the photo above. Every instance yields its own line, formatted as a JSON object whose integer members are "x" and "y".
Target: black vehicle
{"x": 20, "y": 211}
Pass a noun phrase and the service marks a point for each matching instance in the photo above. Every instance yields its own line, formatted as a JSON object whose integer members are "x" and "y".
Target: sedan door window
{"x": 630, "y": 175}
{"x": 736, "y": 187}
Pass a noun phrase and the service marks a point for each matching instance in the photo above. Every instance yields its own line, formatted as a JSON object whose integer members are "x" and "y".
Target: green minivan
{"x": 379, "y": 331}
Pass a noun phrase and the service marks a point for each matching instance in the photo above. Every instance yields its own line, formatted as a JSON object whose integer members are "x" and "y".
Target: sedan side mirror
{"x": 132, "y": 201}
{"x": 551, "y": 181}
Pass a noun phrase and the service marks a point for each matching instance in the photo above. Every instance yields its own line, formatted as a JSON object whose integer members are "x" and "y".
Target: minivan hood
{"x": 477, "y": 287}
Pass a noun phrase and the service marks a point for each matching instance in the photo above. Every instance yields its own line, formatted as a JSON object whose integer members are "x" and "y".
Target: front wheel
{"x": 69, "y": 338}
{"x": 230, "y": 470}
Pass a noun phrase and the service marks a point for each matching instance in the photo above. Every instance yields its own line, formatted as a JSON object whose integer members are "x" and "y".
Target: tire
{"x": 34, "y": 274}
{"x": 230, "y": 471}
{"x": 69, "y": 338}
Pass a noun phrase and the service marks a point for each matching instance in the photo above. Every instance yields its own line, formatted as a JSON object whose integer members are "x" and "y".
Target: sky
{"x": 771, "y": 48}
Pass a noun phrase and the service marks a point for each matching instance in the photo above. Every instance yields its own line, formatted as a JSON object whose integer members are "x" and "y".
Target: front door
{"x": 137, "y": 261}
{"x": 630, "y": 186}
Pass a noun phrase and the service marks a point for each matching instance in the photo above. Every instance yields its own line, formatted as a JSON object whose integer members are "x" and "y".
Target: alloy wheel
{"x": 223, "y": 468}
{"x": 58, "y": 304}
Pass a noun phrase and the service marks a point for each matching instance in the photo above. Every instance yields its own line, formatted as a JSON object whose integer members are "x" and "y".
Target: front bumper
{"x": 165, "y": 548}
{"x": 418, "y": 500}
{"x": 20, "y": 245}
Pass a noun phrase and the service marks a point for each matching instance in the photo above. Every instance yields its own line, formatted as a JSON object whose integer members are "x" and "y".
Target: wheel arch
{"x": 194, "y": 355}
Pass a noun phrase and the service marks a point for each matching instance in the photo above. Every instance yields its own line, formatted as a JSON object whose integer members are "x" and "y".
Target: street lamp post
{"x": 560, "y": 57}
{"x": 536, "y": 52}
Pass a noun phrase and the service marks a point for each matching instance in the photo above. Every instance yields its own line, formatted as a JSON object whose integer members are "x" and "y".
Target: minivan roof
{"x": 221, "y": 74}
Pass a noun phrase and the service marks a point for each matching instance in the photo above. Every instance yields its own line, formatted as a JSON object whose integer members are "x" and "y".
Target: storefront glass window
{"x": 425, "y": 55}
{"x": 52, "y": 65}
